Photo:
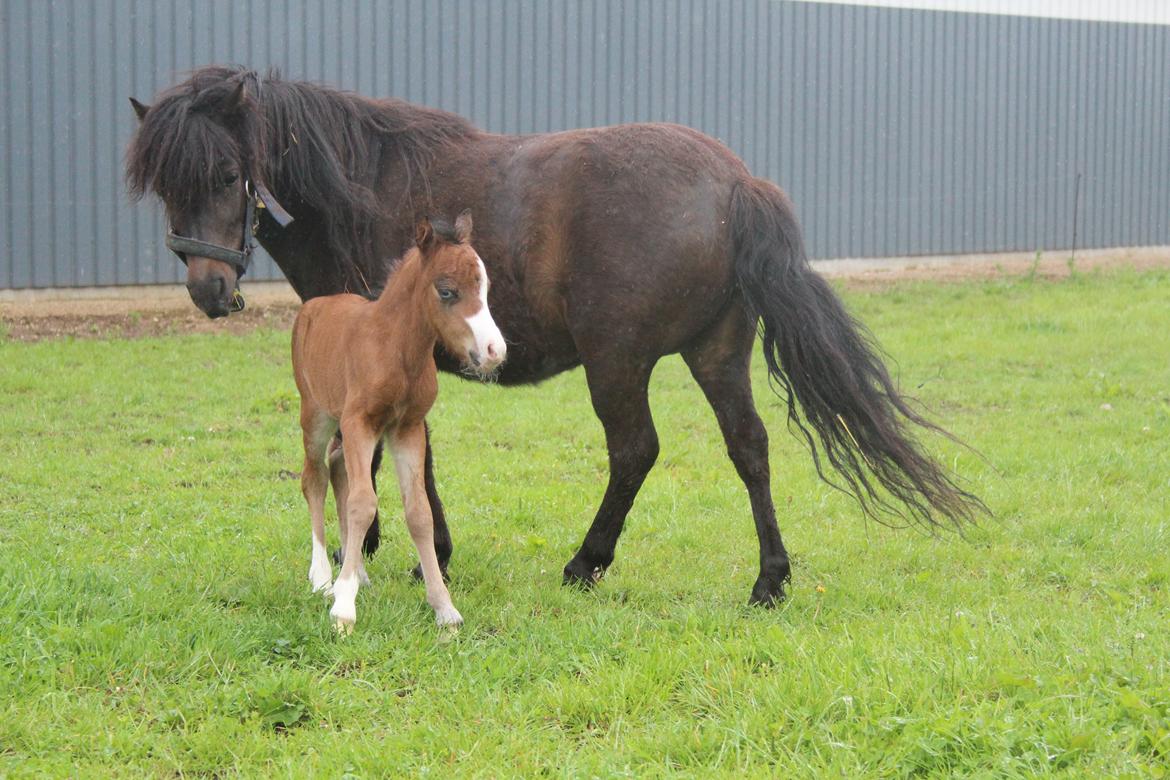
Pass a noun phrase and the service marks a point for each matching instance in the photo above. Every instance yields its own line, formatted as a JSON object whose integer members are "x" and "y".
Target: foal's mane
{"x": 321, "y": 151}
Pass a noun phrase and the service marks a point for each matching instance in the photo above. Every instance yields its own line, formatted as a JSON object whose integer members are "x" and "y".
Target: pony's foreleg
{"x": 314, "y": 485}
{"x": 361, "y": 503}
{"x": 443, "y": 544}
{"x": 409, "y": 449}
{"x": 619, "y": 392}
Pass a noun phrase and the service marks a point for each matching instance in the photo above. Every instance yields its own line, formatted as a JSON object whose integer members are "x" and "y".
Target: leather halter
{"x": 258, "y": 198}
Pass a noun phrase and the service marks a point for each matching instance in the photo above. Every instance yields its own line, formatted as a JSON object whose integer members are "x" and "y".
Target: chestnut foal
{"x": 368, "y": 368}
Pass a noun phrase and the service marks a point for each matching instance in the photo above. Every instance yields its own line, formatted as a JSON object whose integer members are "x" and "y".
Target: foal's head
{"x": 456, "y": 288}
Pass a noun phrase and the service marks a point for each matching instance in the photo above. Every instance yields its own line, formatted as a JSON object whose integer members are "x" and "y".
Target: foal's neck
{"x": 400, "y": 310}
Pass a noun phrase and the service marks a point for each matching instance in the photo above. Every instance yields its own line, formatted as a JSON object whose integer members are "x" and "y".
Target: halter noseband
{"x": 258, "y": 198}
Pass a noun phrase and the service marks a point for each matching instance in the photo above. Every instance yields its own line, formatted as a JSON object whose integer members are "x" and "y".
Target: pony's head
{"x": 199, "y": 148}
{"x": 455, "y": 284}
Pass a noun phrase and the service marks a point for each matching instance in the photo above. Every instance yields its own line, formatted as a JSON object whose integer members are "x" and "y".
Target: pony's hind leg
{"x": 358, "y": 443}
{"x": 314, "y": 486}
{"x": 720, "y": 362}
{"x": 409, "y": 449}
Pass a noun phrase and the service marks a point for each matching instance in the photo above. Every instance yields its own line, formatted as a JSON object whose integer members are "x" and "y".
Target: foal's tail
{"x": 830, "y": 370}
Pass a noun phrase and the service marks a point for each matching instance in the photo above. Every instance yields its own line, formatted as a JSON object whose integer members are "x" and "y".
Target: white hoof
{"x": 343, "y": 628}
{"x": 448, "y": 617}
{"x": 343, "y": 614}
{"x": 344, "y": 596}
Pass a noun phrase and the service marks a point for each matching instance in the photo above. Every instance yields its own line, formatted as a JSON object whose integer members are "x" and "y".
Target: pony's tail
{"x": 831, "y": 374}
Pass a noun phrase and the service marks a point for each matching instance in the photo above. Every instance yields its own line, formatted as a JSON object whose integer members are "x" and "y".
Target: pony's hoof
{"x": 767, "y": 593}
{"x": 343, "y": 627}
{"x": 580, "y": 575}
{"x": 416, "y": 572}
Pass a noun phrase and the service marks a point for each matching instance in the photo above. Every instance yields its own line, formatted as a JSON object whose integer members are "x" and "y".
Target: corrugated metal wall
{"x": 895, "y": 131}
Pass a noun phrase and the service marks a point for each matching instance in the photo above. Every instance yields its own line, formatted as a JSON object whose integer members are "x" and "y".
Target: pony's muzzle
{"x": 212, "y": 287}
{"x": 208, "y": 295}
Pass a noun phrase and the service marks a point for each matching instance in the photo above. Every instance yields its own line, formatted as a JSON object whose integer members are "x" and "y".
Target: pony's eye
{"x": 447, "y": 295}
{"x": 230, "y": 179}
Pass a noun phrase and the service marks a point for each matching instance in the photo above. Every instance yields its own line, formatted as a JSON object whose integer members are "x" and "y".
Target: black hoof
{"x": 416, "y": 572}
{"x": 768, "y": 592}
{"x": 581, "y": 575}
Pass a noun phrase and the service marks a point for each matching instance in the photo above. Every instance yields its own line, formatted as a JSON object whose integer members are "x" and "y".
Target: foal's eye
{"x": 447, "y": 295}
{"x": 229, "y": 179}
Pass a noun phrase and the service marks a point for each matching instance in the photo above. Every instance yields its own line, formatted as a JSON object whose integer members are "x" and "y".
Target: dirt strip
{"x": 136, "y": 312}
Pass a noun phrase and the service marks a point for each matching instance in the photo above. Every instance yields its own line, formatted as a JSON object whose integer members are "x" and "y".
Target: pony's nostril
{"x": 491, "y": 350}
{"x": 474, "y": 356}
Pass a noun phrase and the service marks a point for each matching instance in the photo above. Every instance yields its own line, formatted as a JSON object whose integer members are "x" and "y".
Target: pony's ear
{"x": 139, "y": 109}
{"x": 463, "y": 227}
{"x": 233, "y": 102}
{"x": 424, "y": 234}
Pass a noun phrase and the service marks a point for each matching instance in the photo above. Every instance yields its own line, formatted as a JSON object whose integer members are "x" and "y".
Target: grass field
{"x": 156, "y": 619}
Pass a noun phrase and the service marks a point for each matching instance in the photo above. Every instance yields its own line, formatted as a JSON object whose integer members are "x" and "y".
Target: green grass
{"x": 155, "y": 615}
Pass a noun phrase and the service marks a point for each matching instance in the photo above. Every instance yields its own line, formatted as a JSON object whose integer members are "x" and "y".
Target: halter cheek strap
{"x": 258, "y": 198}
{"x": 238, "y": 258}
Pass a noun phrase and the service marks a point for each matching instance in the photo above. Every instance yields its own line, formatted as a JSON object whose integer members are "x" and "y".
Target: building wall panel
{"x": 897, "y": 131}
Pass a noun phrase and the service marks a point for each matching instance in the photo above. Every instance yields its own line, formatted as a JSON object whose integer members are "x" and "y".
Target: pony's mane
{"x": 318, "y": 149}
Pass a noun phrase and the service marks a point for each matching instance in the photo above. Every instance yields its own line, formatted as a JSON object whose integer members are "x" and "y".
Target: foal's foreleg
{"x": 358, "y": 442}
{"x": 409, "y": 449}
{"x": 340, "y": 482}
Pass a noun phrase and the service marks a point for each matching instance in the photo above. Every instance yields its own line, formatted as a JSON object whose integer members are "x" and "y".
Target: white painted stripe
{"x": 1135, "y": 11}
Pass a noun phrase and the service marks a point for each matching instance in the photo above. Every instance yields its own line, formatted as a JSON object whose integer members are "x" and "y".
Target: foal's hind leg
{"x": 619, "y": 392}
{"x": 314, "y": 485}
{"x": 720, "y": 361}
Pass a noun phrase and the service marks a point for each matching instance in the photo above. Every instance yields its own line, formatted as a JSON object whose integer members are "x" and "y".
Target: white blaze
{"x": 489, "y": 342}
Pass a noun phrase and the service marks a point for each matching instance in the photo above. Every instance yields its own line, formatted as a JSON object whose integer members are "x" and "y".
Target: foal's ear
{"x": 139, "y": 109}
{"x": 463, "y": 227}
{"x": 424, "y": 234}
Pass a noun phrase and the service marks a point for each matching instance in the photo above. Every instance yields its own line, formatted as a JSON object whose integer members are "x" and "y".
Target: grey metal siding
{"x": 897, "y": 132}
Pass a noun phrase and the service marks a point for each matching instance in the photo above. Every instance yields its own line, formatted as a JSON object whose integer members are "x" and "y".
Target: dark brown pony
{"x": 607, "y": 248}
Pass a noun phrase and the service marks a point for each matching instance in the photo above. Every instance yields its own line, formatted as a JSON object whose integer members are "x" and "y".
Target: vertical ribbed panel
{"x": 896, "y": 132}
